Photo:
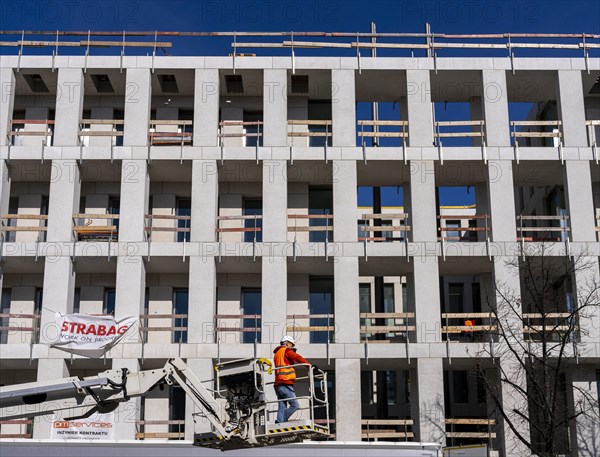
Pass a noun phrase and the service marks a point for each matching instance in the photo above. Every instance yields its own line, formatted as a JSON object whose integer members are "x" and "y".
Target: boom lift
{"x": 239, "y": 413}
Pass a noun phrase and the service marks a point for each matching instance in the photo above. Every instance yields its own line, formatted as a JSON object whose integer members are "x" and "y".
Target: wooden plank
{"x": 28, "y": 133}
{"x": 238, "y": 329}
{"x": 168, "y": 217}
{"x": 309, "y": 134}
{"x": 23, "y": 229}
{"x": 234, "y": 218}
{"x": 479, "y": 435}
{"x": 517, "y": 123}
{"x": 387, "y": 329}
{"x": 95, "y": 228}
{"x": 309, "y": 122}
{"x": 42, "y": 217}
{"x": 161, "y": 422}
{"x": 387, "y": 422}
{"x": 313, "y": 328}
{"x": 547, "y": 315}
{"x": 543, "y": 229}
{"x": 310, "y": 316}
{"x": 162, "y": 316}
{"x": 384, "y": 134}
{"x": 237, "y": 316}
{"x": 141, "y": 436}
{"x": 310, "y": 216}
{"x": 170, "y": 122}
{"x": 97, "y": 133}
{"x": 464, "y": 229}
{"x": 15, "y": 435}
{"x": 20, "y": 316}
{"x": 373, "y": 123}
{"x": 383, "y": 434}
{"x": 535, "y": 134}
{"x": 96, "y": 216}
{"x": 467, "y": 315}
{"x": 33, "y": 121}
{"x": 456, "y": 123}
{"x": 241, "y": 229}
{"x": 470, "y": 421}
{"x": 548, "y": 328}
{"x": 457, "y": 134}
{"x": 542, "y": 218}
{"x": 385, "y": 216}
{"x": 385, "y": 228}
{"x": 102, "y": 121}
{"x": 313, "y": 228}
{"x": 465, "y": 217}
{"x": 468, "y": 328}
{"x": 387, "y": 315}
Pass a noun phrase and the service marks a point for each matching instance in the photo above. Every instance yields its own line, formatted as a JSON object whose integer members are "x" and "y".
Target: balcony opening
{"x": 386, "y": 405}
{"x": 533, "y": 110}
{"x": 241, "y": 109}
{"x": 321, "y": 307}
{"x": 381, "y": 111}
{"x": 172, "y": 108}
{"x": 540, "y": 203}
{"x": 252, "y": 310}
{"x": 309, "y": 113}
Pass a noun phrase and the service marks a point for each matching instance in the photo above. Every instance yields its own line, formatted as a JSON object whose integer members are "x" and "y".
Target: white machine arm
{"x": 80, "y": 397}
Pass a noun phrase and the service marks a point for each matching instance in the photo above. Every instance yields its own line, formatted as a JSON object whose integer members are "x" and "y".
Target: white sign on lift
{"x": 96, "y": 427}
{"x": 479, "y": 450}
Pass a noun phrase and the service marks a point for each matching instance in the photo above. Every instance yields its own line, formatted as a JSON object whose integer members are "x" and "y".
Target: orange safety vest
{"x": 469, "y": 323}
{"x": 284, "y": 375}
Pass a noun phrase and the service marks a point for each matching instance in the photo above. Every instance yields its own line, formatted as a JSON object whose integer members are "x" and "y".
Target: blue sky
{"x": 469, "y": 16}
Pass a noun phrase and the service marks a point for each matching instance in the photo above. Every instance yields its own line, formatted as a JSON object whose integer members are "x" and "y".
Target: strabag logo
{"x": 67, "y": 424}
{"x": 93, "y": 329}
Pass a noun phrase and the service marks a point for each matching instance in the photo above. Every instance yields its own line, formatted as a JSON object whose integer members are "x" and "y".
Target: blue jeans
{"x": 286, "y": 393}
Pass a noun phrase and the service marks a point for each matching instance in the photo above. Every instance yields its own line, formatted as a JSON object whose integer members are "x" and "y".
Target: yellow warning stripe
{"x": 212, "y": 438}
{"x": 298, "y": 427}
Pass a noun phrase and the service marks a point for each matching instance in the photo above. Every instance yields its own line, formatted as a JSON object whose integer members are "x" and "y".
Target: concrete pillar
{"x": 344, "y": 201}
{"x": 476, "y": 108}
{"x": 134, "y": 200}
{"x": 202, "y": 300}
{"x": 495, "y": 108}
{"x": 275, "y": 107}
{"x": 69, "y": 107}
{"x": 4, "y": 188}
{"x": 48, "y": 369}
{"x": 501, "y": 189}
{"x": 204, "y": 371}
{"x": 65, "y": 187}
{"x": 426, "y": 290}
{"x": 430, "y": 427}
{"x": 138, "y": 95}
{"x": 206, "y": 107}
{"x": 343, "y": 107}
{"x": 128, "y": 413}
{"x": 7, "y": 101}
{"x": 580, "y": 200}
{"x": 422, "y": 202}
{"x": 348, "y": 400}
{"x": 275, "y": 193}
{"x": 571, "y": 108}
{"x": 420, "y": 108}
{"x": 205, "y": 200}
{"x": 274, "y": 299}
{"x": 346, "y": 306}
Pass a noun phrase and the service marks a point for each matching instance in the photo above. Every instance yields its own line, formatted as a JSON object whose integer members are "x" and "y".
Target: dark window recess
{"x": 180, "y": 308}
{"x": 108, "y": 307}
{"x": 251, "y": 304}
{"x": 168, "y": 84}
{"x": 36, "y": 83}
{"x": 102, "y": 84}
{"x": 299, "y": 84}
{"x": 234, "y": 84}
{"x": 252, "y": 207}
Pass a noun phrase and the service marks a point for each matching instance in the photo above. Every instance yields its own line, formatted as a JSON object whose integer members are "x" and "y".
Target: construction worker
{"x": 285, "y": 355}
{"x": 469, "y": 323}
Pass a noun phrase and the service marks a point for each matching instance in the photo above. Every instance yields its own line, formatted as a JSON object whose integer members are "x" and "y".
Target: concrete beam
{"x": 202, "y": 300}
{"x": 275, "y": 197}
{"x": 580, "y": 200}
{"x": 422, "y": 202}
{"x": 344, "y": 201}
{"x": 205, "y": 200}
{"x": 571, "y": 108}
{"x": 69, "y": 107}
{"x": 275, "y": 107}
{"x": 426, "y": 290}
{"x": 348, "y": 400}
{"x": 501, "y": 190}
{"x": 495, "y": 107}
{"x": 135, "y": 184}
{"x": 138, "y": 97}
{"x": 274, "y": 299}
{"x": 420, "y": 108}
{"x": 206, "y": 107}
{"x": 7, "y": 101}
{"x": 343, "y": 107}
{"x": 346, "y": 297}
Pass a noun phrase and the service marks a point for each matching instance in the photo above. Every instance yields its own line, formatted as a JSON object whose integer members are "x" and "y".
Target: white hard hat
{"x": 288, "y": 338}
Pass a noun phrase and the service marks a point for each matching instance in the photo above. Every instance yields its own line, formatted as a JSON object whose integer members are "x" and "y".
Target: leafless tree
{"x": 539, "y": 333}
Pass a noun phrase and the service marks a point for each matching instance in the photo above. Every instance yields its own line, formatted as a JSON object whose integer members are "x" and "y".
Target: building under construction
{"x": 366, "y": 193}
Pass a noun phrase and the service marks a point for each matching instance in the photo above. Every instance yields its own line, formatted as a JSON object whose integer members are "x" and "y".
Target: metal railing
{"x": 557, "y": 132}
{"x": 525, "y": 231}
{"x": 314, "y": 129}
{"x": 27, "y": 325}
{"x": 374, "y": 133}
{"x": 366, "y": 225}
{"x": 85, "y": 126}
{"x": 86, "y": 231}
{"x": 240, "y": 328}
{"x": 376, "y": 429}
{"x": 48, "y": 132}
{"x": 255, "y": 229}
{"x": 8, "y": 229}
{"x": 178, "y": 327}
{"x": 326, "y": 230}
{"x": 465, "y": 233}
{"x": 178, "y": 435}
{"x": 555, "y": 324}
{"x": 438, "y": 134}
{"x": 150, "y": 226}
{"x": 465, "y": 428}
{"x": 471, "y": 325}
{"x": 393, "y": 326}
{"x": 166, "y": 138}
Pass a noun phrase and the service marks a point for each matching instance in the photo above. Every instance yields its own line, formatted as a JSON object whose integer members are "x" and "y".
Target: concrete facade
{"x": 257, "y": 222}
